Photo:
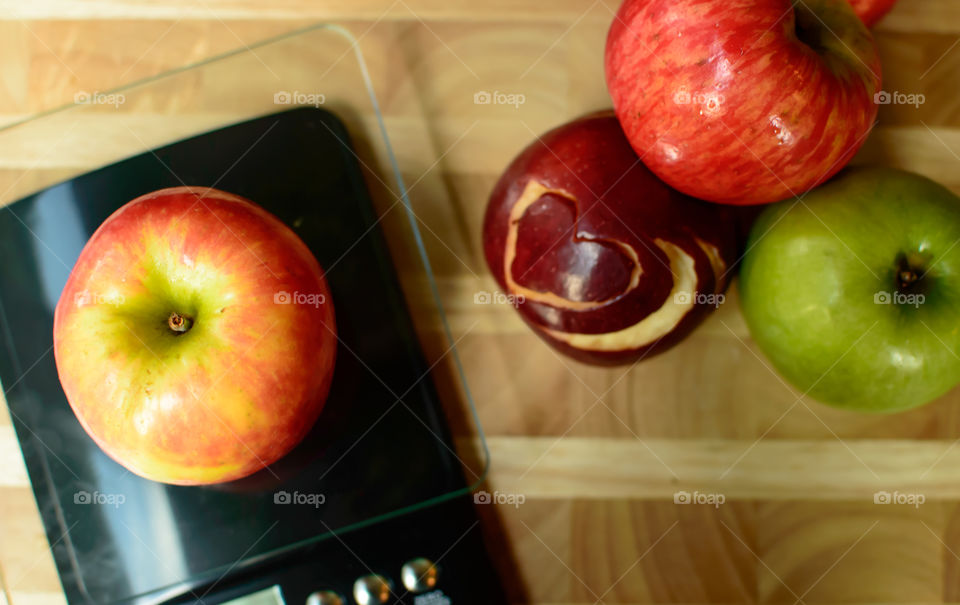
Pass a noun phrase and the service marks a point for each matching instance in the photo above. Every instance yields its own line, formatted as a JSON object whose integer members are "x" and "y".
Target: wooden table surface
{"x": 597, "y": 454}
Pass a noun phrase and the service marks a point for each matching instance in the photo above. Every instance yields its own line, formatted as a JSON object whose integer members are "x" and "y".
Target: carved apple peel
{"x": 532, "y": 193}
{"x": 647, "y": 254}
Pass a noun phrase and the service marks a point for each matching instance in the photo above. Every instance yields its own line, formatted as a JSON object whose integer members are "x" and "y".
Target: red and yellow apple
{"x": 603, "y": 260}
{"x": 195, "y": 337}
{"x": 742, "y": 102}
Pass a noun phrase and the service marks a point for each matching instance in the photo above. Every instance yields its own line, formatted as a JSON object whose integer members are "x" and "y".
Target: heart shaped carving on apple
{"x": 606, "y": 262}
{"x": 556, "y": 219}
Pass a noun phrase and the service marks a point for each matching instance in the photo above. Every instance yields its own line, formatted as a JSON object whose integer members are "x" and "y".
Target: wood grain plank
{"x": 821, "y": 470}
{"x": 663, "y": 553}
{"x": 432, "y": 10}
{"x": 933, "y": 152}
{"x": 849, "y": 552}
{"x": 28, "y": 571}
{"x": 951, "y": 552}
{"x": 13, "y": 473}
{"x": 908, "y": 15}
{"x": 536, "y": 531}
{"x": 599, "y": 498}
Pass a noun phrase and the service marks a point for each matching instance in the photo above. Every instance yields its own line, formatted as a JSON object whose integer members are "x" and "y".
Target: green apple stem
{"x": 180, "y": 324}
{"x": 910, "y": 268}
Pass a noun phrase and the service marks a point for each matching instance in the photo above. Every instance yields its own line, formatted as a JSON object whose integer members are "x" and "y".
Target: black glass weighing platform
{"x": 379, "y": 463}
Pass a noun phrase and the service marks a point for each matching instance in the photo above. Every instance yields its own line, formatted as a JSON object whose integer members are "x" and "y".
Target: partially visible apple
{"x": 854, "y": 294}
{"x": 871, "y": 11}
{"x": 604, "y": 261}
{"x": 742, "y": 101}
{"x": 195, "y": 337}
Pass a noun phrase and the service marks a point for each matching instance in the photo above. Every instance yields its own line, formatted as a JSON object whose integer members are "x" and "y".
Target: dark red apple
{"x": 605, "y": 262}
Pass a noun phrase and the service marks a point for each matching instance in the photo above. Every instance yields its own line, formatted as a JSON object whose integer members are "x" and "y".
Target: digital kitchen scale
{"x": 373, "y": 506}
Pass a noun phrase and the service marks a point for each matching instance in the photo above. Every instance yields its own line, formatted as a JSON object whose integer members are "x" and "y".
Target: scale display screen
{"x": 268, "y": 596}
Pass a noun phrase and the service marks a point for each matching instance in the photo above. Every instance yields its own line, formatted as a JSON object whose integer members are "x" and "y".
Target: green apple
{"x": 854, "y": 292}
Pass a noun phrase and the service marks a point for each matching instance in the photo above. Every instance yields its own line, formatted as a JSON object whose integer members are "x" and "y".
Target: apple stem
{"x": 179, "y": 323}
{"x": 909, "y": 271}
{"x": 907, "y": 278}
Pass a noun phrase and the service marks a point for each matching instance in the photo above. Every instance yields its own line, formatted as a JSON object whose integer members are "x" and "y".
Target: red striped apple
{"x": 871, "y": 11}
{"x": 195, "y": 337}
{"x": 603, "y": 260}
{"x": 742, "y": 101}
